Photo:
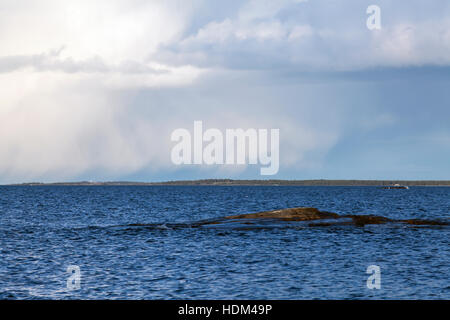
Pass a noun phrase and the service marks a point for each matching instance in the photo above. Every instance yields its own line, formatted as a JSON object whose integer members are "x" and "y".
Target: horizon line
{"x": 226, "y": 181}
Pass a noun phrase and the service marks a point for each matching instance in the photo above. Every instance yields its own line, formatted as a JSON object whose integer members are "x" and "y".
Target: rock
{"x": 361, "y": 220}
{"x": 421, "y": 222}
{"x": 291, "y": 214}
{"x": 318, "y": 219}
{"x": 310, "y": 214}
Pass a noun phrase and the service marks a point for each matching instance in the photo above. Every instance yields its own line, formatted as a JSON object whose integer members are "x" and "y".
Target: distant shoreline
{"x": 230, "y": 182}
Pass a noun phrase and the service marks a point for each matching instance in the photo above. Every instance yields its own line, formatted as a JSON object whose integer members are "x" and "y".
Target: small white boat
{"x": 396, "y": 186}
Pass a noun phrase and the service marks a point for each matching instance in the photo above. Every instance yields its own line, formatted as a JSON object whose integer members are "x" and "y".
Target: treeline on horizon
{"x": 272, "y": 182}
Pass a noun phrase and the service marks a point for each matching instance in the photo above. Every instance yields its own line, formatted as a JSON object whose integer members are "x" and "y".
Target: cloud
{"x": 53, "y": 62}
{"x": 114, "y": 30}
{"x": 94, "y": 88}
{"x": 59, "y": 128}
{"x": 279, "y": 35}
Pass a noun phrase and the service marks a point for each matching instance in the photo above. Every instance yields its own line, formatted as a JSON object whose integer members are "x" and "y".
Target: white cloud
{"x": 276, "y": 33}
{"x": 114, "y": 30}
{"x": 414, "y": 44}
{"x": 72, "y": 74}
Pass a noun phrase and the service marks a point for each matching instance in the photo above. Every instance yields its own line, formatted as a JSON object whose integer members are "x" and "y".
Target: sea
{"x": 144, "y": 242}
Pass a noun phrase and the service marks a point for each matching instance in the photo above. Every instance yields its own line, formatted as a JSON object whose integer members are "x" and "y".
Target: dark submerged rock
{"x": 361, "y": 220}
{"x": 421, "y": 222}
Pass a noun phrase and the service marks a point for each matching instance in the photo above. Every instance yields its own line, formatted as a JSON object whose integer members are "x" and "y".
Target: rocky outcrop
{"x": 291, "y": 214}
{"x": 311, "y": 217}
{"x": 313, "y": 214}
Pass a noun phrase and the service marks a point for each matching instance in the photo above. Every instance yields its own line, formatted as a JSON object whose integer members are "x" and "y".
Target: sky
{"x": 91, "y": 90}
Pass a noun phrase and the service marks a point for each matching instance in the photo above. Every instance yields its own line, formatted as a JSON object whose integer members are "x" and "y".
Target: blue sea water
{"x": 45, "y": 229}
